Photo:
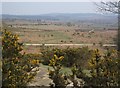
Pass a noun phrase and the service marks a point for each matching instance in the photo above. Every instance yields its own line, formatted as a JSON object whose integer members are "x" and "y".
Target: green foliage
{"x": 14, "y": 73}
{"x": 10, "y": 45}
{"x": 33, "y": 61}
{"x": 77, "y": 56}
{"x": 63, "y": 80}
{"x": 104, "y": 68}
{"x": 77, "y": 81}
{"x": 72, "y": 55}
{"x": 58, "y": 78}
{"x": 16, "y": 67}
{"x": 47, "y": 54}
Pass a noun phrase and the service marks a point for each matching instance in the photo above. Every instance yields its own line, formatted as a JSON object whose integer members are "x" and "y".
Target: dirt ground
{"x": 41, "y": 79}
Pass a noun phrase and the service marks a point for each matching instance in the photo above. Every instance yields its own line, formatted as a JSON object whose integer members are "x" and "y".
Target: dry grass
{"x": 68, "y": 37}
{"x": 60, "y": 34}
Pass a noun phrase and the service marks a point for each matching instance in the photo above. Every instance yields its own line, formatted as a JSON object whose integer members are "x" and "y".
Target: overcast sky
{"x": 36, "y": 8}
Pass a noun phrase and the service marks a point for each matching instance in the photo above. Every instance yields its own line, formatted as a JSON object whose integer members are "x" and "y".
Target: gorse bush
{"x": 62, "y": 80}
{"x": 33, "y": 61}
{"x": 16, "y": 66}
{"x": 11, "y": 46}
{"x": 71, "y": 55}
{"x": 47, "y": 54}
{"x": 104, "y": 69}
{"x": 14, "y": 73}
{"x": 78, "y": 56}
{"x": 58, "y": 78}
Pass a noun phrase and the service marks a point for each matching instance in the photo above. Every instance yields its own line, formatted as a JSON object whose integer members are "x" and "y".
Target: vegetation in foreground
{"x": 17, "y": 65}
{"x": 103, "y": 71}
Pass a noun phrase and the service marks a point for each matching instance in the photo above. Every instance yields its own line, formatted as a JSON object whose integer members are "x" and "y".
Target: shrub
{"x": 11, "y": 46}
{"x": 77, "y": 56}
{"x": 15, "y": 65}
{"x": 77, "y": 81}
{"x": 104, "y": 68}
{"x": 58, "y": 78}
{"x": 63, "y": 80}
{"x": 72, "y": 55}
{"x": 47, "y": 54}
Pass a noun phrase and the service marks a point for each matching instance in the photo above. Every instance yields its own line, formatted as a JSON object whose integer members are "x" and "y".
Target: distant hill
{"x": 90, "y": 18}
{"x": 64, "y": 16}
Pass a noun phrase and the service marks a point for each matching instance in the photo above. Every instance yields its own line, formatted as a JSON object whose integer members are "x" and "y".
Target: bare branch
{"x": 108, "y": 6}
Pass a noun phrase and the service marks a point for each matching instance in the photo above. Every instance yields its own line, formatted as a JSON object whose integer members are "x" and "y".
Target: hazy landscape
{"x": 58, "y": 46}
{"x": 79, "y": 28}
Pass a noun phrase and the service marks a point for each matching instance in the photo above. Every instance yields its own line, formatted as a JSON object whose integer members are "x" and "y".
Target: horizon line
{"x": 59, "y": 13}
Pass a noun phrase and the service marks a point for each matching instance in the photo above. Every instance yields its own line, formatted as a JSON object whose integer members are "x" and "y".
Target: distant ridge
{"x": 60, "y": 16}
{"x": 94, "y": 18}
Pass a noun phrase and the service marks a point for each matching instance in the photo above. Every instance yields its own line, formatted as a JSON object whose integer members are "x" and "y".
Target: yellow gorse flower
{"x": 34, "y": 61}
{"x": 56, "y": 57}
{"x": 54, "y": 60}
{"x": 61, "y": 58}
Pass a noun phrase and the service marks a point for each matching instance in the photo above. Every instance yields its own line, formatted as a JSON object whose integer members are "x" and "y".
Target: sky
{"x": 37, "y": 8}
{"x": 54, "y": 0}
